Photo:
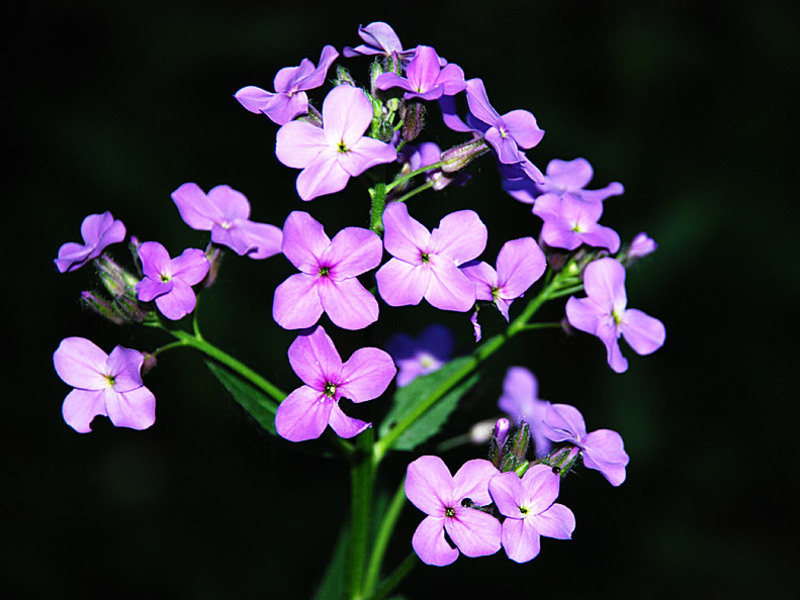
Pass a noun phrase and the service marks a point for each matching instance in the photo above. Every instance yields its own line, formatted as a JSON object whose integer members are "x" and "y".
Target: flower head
{"x": 307, "y": 411}
{"x": 520, "y": 264}
{"x": 330, "y": 155}
{"x": 327, "y": 281}
{"x": 530, "y": 510}
{"x": 604, "y": 313}
{"x": 570, "y": 222}
{"x": 425, "y": 79}
{"x": 169, "y": 281}
{"x": 602, "y": 450}
{"x": 425, "y": 264}
{"x": 97, "y": 231}
{"x": 289, "y": 99}
{"x": 380, "y": 39}
{"x": 225, "y": 213}
{"x": 107, "y": 385}
{"x": 416, "y": 357}
{"x": 431, "y": 488}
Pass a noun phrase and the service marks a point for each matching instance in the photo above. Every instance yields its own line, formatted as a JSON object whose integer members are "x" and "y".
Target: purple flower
{"x": 107, "y": 385}
{"x": 169, "y": 281}
{"x": 431, "y": 488}
{"x": 572, "y": 176}
{"x": 520, "y": 401}
{"x": 602, "y": 449}
{"x": 225, "y": 213}
{"x": 380, "y": 39}
{"x": 519, "y": 264}
{"x": 327, "y": 281}
{"x": 425, "y": 79}
{"x": 289, "y": 99}
{"x": 570, "y": 222}
{"x": 426, "y": 264}
{"x": 330, "y": 155}
{"x": 97, "y": 231}
{"x": 416, "y": 357}
{"x": 530, "y": 510}
{"x": 641, "y": 245}
{"x": 603, "y": 313}
{"x": 307, "y": 411}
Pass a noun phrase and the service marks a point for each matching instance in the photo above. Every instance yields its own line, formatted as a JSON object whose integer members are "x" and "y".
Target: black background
{"x": 111, "y": 106}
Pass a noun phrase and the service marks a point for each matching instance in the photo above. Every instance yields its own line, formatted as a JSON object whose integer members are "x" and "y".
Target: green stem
{"x": 392, "y": 581}
{"x": 362, "y": 473}
{"x": 384, "y": 534}
{"x": 534, "y": 326}
{"x": 378, "y": 203}
{"x": 412, "y": 174}
{"x": 425, "y": 186}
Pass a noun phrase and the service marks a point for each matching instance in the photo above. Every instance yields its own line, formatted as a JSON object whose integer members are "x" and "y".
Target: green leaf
{"x": 408, "y": 398}
{"x": 255, "y": 402}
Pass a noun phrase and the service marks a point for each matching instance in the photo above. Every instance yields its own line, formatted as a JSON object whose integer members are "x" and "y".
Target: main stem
{"x": 362, "y": 473}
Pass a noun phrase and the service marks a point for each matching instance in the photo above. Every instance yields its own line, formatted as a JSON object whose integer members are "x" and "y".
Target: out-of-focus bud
{"x": 456, "y": 158}
{"x": 562, "y": 460}
{"x": 481, "y": 432}
{"x": 127, "y": 307}
{"x": 413, "y": 121}
{"x": 518, "y": 449}
{"x": 214, "y": 256}
{"x": 375, "y": 70}
{"x": 641, "y": 246}
{"x": 101, "y": 307}
{"x": 115, "y": 279}
{"x": 498, "y": 441}
{"x": 149, "y": 363}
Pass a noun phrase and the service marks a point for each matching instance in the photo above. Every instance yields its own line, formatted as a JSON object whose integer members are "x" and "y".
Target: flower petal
{"x": 348, "y": 304}
{"x": 304, "y": 241}
{"x": 405, "y": 237}
{"x": 366, "y": 374}
{"x": 346, "y": 114}
{"x": 539, "y": 488}
{"x": 344, "y": 426}
{"x": 564, "y": 423}
{"x": 303, "y": 415}
{"x": 473, "y": 532}
{"x": 461, "y": 236}
{"x": 353, "y": 251}
{"x": 520, "y": 539}
{"x": 323, "y": 175}
{"x": 429, "y": 485}
{"x": 604, "y": 451}
{"x": 135, "y": 409}
{"x": 81, "y": 406}
{"x": 520, "y": 263}
{"x": 179, "y": 302}
{"x": 645, "y": 334}
{"x": 506, "y": 492}
{"x": 448, "y": 288}
{"x": 298, "y": 143}
{"x": 125, "y": 365}
{"x": 429, "y": 543}
{"x": 191, "y": 266}
{"x": 296, "y": 304}
{"x": 81, "y": 364}
{"x": 472, "y": 481}
{"x": 196, "y": 210}
{"x": 402, "y": 284}
{"x": 315, "y": 359}
{"x": 556, "y": 522}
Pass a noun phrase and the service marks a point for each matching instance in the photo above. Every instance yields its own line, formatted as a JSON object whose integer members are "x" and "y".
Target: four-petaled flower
{"x": 331, "y": 155}
{"x": 381, "y": 40}
{"x": 604, "y": 314}
{"x": 443, "y": 497}
{"x": 169, "y": 281}
{"x": 520, "y": 263}
{"x": 521, "y": 402}
{"x": 570, "y": 222}
{"x": 530, "y": 510}
{"x": 415, "y": 357}
{"x": 289, "y": 99}
{"x": 307, "y": 411}
{"x": 109, "y": 385}
{"x": 327, "y": 281}
{"x": 426, "y": 264}
{"x": 602, "y": 450}
{"x": 425, "y": 79}
{"x": 225, "y": 213}
{"x": 97, "y": 231}
{"x": 572, "y": 176}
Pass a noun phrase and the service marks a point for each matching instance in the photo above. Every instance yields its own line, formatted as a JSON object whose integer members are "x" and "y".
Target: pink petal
{"x": 366, "y": 374}
{"x": 254, "y": 98}
{"x": 522, "y": 126}
{"x": 520, "y": 263}
{"x": 346, "y": 114}
{"x": 191, "y": 266}
{"x": 298, "y": 143}
{"x": 604, "y": 451}
{"x": 483, "y": 276}
{"x": 556, "y": 522}
{"x": 520, "y": 540}
{"x": 402, "y": 284}
{"x": 344, "y": 426}
{"x": 472, "y": 481}
{"x": 460, "y": 236}
{"x": 352, "y": 252}
{"x": 179, "y": 302}
{"x": 230, "y": 203}
{"x": 604, "y": 282}
{"x": 365, "y": 153}
{"x": 569, "y": 175}
{"x": 324, "y": 175}
{"x": 563, "y": 423}
{"x": 348, "y": 304}
{"x": 539, "y": 488}
{"x": 303, "y": 415}
{"x": 448, "y": 288}
{"x": 506, "y": 491}
{"x": 195, "y": 208}
{"x": 314, "y": 359}
{"x": 81, "y": 406}
{"x": 296, "y": 304}
{"x": 149, "y": 289}
{"x": 404, "y": 238}
{"x": 304, "y": 242}
{"x": 430, "y": 545}
{"x": 644, "y": 333}
{"x": 155, "y": 260}
{"x": 125, "y": 365}
{"x": 429, "y": 485}
{"x": 135, "y": 409}
{"x": 81, "y": 364}
{"x": 256, "y": 240}
{"x": 585, "y": 314}
{"x": 473, "y": 532}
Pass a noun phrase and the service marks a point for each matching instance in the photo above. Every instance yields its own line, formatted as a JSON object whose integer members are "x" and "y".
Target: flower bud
{"x": 149, "y": 362}
{"x": 115, "y": 279}
{"x": 641, "y": 246}
{"x": 101, "y": 307}
{"x": 498, "y": 441}
{"x": 343, "y": 77}
{"x": 214, "y": 256}
{"x": 456, "y": 158}
{"x": 518, "y": 450}
{"x": 413, "y": 121}
{"x": 127, "y": 307}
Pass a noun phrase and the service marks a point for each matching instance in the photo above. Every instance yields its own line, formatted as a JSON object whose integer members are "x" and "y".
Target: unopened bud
{"x": 101, "y": 307}
{"x": 498, "y": 441}
{"x": 518, "y": 449}
{"x": 456, "y": 158}
{"x": 343, "y": 77}
{"x": 641, "y": 246}
{"x": 413, "y": 121}
{"x": 127, "y": 307}
{"x": 115, "y": 279}
{"x": 149, "y": 362}
{"x": 214, "y": 256}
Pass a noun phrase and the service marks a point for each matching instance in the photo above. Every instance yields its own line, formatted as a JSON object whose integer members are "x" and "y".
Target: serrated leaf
{"x": 250, "y": 398}
{"x": 408, "y": 398}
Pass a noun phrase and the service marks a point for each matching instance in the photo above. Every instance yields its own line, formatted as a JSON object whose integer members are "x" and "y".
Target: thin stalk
{"x": 393, "y": 580}
{"x": 412, "y": 174}
{"x": 425, "y": 186}
{"x": 384, "y": 535}
{"x": 362, "y": 474}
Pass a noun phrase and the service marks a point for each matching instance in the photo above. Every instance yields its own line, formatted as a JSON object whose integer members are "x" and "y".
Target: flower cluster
{"x": 374, "y": 129}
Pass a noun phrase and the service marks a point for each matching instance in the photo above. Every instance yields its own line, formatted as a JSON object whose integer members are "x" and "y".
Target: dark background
{"x": 111, "y": 106}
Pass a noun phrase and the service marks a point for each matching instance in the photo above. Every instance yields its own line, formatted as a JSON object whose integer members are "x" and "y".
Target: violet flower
{"x": 307, "y": 411}
{"x": 225, "y": 213}
{"x": 603, "y": 313}
{"x": 521, "y": 402}
{"x": 425, "y": 79}
{"x": 169, "y": 281}
{"x": 570, "y": 222}
{"x": 380, "y": 39}
{"x": 425, "y": 265}
{"x": 330, "y": 155}
{"x": 602, "y": 450}
{"x": 289, "y": 99}
{"x": 327, "y": 281}
{"x": 106, "y": 385}
{"x": 641, "y": 245}
{"x": 530, "y": 510}
{"x": 431, "y": 488}
{"x": 572, "y": 176}
{"x": 520, "y": 263}
{"x": 421, "y": 356}
{"x": 98, "y": 232}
